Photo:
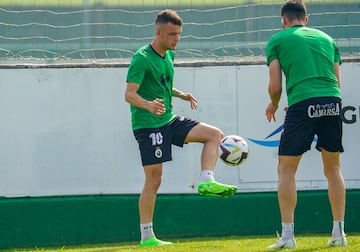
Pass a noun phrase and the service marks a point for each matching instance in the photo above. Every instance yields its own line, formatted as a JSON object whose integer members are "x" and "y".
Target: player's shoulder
{"x": 324, "y": 34}
{"x": 316, "y": 31}
{"x": 279, "y": 35}
{"x": 273, "y": 40}
{"x": 142, "y": 51}
{"x": 142, "y": 56}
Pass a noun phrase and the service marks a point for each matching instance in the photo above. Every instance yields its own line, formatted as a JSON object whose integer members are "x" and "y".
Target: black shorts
{"x": 155, "y": 143}
{"x": 315, "y": 119}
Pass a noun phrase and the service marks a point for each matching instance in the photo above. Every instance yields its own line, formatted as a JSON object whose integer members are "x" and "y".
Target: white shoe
{"x": 286, "y": 244}
{"x": 338, "y": 242}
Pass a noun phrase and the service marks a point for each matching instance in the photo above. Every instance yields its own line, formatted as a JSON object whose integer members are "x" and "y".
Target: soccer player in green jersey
{"x": 310, "y": 62}
{"x": 156, "y": 128}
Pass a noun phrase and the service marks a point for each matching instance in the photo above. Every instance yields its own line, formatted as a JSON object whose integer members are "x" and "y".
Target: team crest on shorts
{"x": 158, "y": 152}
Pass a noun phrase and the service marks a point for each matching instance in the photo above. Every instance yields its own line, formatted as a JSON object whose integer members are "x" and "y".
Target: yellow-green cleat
{"x": 153, "y": 241}
{"x": 213, "y": 188}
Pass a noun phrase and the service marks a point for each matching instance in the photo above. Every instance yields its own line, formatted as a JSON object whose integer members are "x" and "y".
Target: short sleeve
{"x": 337, "y": 54}
{"x": 271, "y": 53}
{"x": 137, "y": 69}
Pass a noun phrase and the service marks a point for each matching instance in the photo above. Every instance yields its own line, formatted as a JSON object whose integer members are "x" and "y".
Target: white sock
{"x": 146, "y": 230}
{"x": 206, "y": 175}
{"x": 338, "y": 229}
{"x": 287, "y": 231}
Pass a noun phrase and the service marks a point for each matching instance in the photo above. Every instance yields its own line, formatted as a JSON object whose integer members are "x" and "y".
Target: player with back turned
{"x": 310, "y": 61}
{"x": 156, "y": 128}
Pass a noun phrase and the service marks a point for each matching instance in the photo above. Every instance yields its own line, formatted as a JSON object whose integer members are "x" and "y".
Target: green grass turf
{"x": 224, "y": 244}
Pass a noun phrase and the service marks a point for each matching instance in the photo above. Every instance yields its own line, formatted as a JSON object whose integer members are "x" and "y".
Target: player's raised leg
{"x": 336, "y": 192}
{"x": 210, "y": 136}
{"x": 153, "y": 175}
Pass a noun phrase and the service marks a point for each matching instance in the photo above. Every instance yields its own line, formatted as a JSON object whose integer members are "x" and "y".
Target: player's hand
{"x": 193, "y": 101}
{"x": 157, "y": 106}
{"x": 270, "y": 112}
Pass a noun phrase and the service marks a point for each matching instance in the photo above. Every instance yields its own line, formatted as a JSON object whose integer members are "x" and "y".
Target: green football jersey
{"x": 307, "y": 57}
{"x": 155, "y": 75}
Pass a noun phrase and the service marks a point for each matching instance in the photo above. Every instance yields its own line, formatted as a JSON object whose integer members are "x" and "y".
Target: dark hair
{"x": 294, "y": 10}
{"x": 168, "y": 16}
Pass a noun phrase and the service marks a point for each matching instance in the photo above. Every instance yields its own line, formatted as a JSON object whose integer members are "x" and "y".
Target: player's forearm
{"x": 274, "y": 95}
{"x": 177, "y": 93}
{"x": 275, "y": 80}
{"x": 136, "y": 100}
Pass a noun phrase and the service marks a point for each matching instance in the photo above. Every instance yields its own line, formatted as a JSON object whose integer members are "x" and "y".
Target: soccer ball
{"x": 233, "y": 150}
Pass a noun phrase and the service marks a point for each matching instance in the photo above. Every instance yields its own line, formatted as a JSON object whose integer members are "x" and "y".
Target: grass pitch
{"x": 305, "y": 243}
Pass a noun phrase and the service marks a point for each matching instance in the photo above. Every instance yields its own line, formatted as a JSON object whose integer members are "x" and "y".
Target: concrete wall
{"x": 67, "y": 131}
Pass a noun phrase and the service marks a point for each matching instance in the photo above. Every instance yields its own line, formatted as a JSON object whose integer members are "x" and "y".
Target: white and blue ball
{"x": 233, "y": 150}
